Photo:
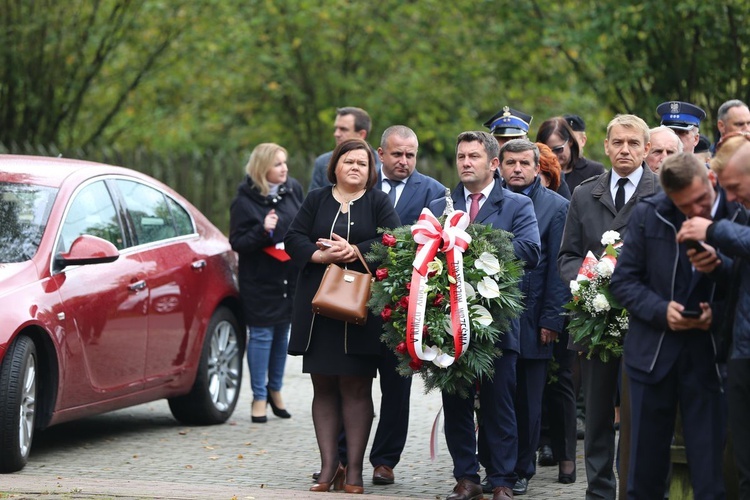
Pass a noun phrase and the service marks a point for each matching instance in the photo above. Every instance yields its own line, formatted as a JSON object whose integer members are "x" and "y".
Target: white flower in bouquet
{"x": 575, "y": 287}
{"x": 600, "y": 303}
{"x": 435, "y": 266}
{"x": 488, "y": 288}
{"x": 488, "y": 263}
{"x": 481, "y": 315}
{"x": 605, "y": 267}
{"x": 610, "y": 238}
{"x": 469, "y": 291}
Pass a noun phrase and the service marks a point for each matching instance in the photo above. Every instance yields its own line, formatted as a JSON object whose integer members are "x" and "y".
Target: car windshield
{"x": 24, "y": 210}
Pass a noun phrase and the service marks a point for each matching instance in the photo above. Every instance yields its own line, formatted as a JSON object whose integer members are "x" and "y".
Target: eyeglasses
{"x": 559, "y": 149}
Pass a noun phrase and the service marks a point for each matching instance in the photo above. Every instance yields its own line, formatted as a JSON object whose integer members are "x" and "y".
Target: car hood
{"x": 15, "y": 275}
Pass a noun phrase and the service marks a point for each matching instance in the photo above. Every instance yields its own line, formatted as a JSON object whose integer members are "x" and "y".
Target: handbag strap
{"x": 361, "y": 259}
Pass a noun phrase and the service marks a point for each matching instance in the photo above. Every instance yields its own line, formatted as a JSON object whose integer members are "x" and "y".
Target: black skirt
{"x": 326, "y": 354}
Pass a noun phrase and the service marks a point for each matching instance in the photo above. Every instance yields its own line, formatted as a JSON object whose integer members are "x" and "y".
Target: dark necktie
{"x": 392, "y": 192}
{"x": 474, "y": 206}
{"x": 620, "y": 195}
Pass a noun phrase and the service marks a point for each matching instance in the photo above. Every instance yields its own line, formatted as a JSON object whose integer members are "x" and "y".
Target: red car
{"x": 114, "y": 291}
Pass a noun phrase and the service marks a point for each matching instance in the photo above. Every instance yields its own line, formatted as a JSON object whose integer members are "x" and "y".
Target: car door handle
{"x": 137, "y": 286}
{"x": 198, "y": 264}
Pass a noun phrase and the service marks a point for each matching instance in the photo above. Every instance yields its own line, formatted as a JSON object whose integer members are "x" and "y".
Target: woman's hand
{"x": 269, "y": 223}
{"x": 336, "y": 249}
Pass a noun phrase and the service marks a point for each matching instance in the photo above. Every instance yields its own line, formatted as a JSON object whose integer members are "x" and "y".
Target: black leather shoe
{"x": 466, "y": 490}
{"x": 567, "y": 478}
{"x": 521, "y": 486}
{"x": 546, "y": 458}
{"x": 486, "y": 486}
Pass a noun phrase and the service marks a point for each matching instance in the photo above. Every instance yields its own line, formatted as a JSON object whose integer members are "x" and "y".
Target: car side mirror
{"x": 87, "y": 249}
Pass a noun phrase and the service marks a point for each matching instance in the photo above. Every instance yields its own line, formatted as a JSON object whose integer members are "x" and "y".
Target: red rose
{"x": 415, "y": 364}
{"x": 401, "y": 348}
{"x": 404, "y": 302}
{"x": 439, "y": 298}
{"x": 425, "y": 332}
{"x": 389, "y": 240}
{"x": 408, "y": 286}
{"x": 386, "y": 313}
{"x": 381, "y": 273}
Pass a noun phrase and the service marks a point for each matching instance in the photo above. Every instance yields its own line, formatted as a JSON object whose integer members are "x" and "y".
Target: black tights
{"x": 337, "y": 399}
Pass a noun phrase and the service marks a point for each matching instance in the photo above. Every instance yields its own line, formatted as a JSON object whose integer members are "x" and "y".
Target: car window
{"x": 182, "y": 221}
{"x": 149, "y": 210}
{"x": 24, "y": 211}
{"x": 91, "y": 212}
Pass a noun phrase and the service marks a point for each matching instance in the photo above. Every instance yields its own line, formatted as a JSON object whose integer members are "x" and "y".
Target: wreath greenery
{"x": 492, "y": 274}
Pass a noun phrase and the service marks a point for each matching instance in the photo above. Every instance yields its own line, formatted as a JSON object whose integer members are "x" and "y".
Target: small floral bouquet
{"x": 598, "y": 321}
{"x": 446, "y": 291}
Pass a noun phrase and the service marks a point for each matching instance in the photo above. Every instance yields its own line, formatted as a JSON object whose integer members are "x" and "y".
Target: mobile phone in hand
{"x": 695, "y": 245}
{"x": 687, "y": 313}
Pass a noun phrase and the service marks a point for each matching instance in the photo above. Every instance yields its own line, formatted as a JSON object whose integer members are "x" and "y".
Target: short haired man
{"x": 410, "y": 191}
{"x": 732, "y": 238}
{"x": 685, "y": 119}
{"x": 508, "y": 124}
{"x": 733, "y": 116}
{"x": 670, "y": 357}
{"x": 601, "y": 204}
{"x": 542, "y": 320}
{"x": 350, "y": 123}
{"x": 480, "y": 193}
{"x": 664, "y": 142}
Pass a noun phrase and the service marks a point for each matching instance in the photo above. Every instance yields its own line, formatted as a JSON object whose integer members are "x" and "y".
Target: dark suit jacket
{"x": 652, "y": 270}
{"x": 511, "y": 212}
{"x": 544, "y": 291}
{"x": 419, "y": 191}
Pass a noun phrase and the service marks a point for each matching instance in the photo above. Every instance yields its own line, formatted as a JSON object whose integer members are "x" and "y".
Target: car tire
{"x": 216, "y": 389}
{"x": 18, "y": 392}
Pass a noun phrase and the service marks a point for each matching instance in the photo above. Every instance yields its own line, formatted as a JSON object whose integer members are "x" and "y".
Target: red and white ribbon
{"x": 453, "y": 240}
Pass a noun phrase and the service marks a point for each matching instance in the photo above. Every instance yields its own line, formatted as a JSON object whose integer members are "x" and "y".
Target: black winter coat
{"x": 267, "y": 285}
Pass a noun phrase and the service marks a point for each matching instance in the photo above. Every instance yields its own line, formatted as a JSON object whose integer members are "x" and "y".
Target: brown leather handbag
{"x": 343, "y": 293}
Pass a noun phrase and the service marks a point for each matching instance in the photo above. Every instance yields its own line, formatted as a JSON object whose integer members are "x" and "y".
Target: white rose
{"x": 574, "y": 287}
{"x": 487, "y": 263}
{"x": 605, "y": 268}
{"x": 600, "y": 303}
{"x": 610, "y": 238}
{"x": 488, "y": 288}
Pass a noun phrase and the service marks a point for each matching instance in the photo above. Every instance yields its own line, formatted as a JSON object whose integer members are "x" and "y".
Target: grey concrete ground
{"x": 143, "y": 453}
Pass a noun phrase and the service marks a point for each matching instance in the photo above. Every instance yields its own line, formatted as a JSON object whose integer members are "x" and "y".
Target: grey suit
{"x": 591, "y": 213}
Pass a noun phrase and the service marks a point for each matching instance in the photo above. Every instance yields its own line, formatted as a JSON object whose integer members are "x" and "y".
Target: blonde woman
{"x": 266, "y": 203}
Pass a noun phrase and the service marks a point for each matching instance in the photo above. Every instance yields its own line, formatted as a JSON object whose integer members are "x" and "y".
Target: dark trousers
{"x": 498, "y": 442}
{"x": 599, "y": 382}
{"x": 393, "y": 424}
{"x": 738, "y": 393}
{"x": 559, "y": 405}
{"x": 694, "y": 385}
{"x": 531, "y": 376}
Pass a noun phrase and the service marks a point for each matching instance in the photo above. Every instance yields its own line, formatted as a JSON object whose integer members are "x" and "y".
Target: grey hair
{"x": 724, "y": 108}
{"x": 398, "y": 130}
{"x": 664, "y": 128}
{"x": 519, "y": 146}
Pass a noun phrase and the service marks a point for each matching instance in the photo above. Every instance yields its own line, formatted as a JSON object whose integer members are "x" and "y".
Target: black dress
{"x": 329, "y": 346}
{"x": 326, "y": 355}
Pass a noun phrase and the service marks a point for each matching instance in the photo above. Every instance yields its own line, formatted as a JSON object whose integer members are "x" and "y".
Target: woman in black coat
{"x": 260, "y": 216}
{"x": 559, "y": 136}
{"x": 341, "y": 358}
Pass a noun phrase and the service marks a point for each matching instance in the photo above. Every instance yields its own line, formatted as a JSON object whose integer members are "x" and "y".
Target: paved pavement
{"x": 143, "y": 453}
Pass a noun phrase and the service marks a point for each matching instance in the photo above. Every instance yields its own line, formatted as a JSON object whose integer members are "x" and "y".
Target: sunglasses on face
{"x": 559, "y": 149}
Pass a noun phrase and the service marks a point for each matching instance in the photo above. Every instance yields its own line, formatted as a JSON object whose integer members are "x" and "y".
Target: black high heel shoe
{"x": 567, "y": 478}
{"x": 279, "y": 412}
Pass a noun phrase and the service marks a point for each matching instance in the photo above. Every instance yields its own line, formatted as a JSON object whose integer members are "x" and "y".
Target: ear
{"x": 712, "y": 177}
{"x": 606, "y": 147}
{"x": 380, "y": 154}
{"x": 362, "y": 134}
{"x": 647, "y": 148}
{"x": 494, "y": 163}
{"x": 720, "y": 125}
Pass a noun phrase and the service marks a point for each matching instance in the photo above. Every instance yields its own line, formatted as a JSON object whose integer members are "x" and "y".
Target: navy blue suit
{"x": 514, "y": 213}
{"x": 545, "y": 294}
{"x": 393, "y": 424}
{"x": 666, "y": 367}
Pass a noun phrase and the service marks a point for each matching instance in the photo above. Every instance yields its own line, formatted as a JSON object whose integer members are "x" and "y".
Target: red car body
{"x": 152, "y": 313}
